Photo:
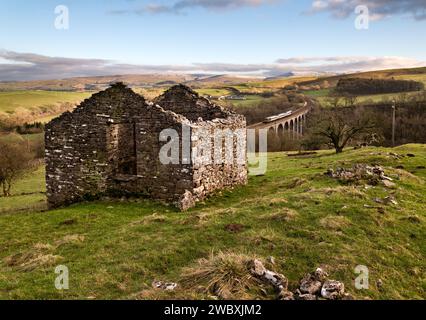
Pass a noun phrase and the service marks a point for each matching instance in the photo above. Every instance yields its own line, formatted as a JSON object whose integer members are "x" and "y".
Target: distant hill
{"x": 135, "y": 81}
{"x": 207, "y": 80}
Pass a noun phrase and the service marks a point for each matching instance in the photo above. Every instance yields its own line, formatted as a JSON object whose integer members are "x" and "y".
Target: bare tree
{"x": 333, "y": 101}
{"x": 339, "y": 126}
{"x": 350, "y": 100}
{"x": 15, "y": 160}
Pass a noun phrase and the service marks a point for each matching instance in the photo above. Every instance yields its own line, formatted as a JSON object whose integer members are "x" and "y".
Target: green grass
{"x": 28, "y": 194}
{"x": 10, "y": 101}
{"x": 322, "y": 96}
{"x": 294, "y": 213}
{"x": 317, "y": 93}
{"x": 414, "y": 77}
{"x": 213, "y": 92}
{"x": 251, "y": 100}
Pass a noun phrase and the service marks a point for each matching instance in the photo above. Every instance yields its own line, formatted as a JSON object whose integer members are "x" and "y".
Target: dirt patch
{"x": 235, "y": 227}
{"x": 68, "y": 222}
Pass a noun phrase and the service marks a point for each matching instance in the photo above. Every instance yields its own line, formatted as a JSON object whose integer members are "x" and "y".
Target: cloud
{"x": 28, "y": 66}
{"x": 379, "y": 9}
{"x": 181, "y": 6}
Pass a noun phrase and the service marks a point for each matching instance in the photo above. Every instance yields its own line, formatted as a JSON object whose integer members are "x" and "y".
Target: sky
{"x": 245, "y": 37}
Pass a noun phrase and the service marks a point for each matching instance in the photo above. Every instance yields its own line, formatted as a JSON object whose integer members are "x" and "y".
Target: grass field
{"x": 41, "y": 106}
{"x": 214, "y": 92}
{"x": 10, "y": 101}
{"x": 294, "y": 213}
{"x": 250, "y": 101}
{"x": 28, "y": 194}
{"x": 322, "y": 95}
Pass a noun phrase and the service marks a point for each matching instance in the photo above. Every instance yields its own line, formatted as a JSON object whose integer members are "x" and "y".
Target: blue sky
{"x": 221, "y": 35}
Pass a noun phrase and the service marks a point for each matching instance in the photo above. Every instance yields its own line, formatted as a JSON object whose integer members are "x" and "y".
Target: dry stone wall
{"x": 110, "y": 145}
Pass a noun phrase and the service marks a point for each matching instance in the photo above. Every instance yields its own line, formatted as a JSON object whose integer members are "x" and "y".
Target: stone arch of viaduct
{"x": 292, "y": 126}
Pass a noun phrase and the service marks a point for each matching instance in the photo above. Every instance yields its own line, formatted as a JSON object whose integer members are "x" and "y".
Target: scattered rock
{"x": 320, "y": 274}
{"x": 359, "y": 172}
{"x": 256, "y": 268}
{"x": 390, "y": 200}
{"x": 381, "y": 210}
{"x": 286, "y": 295}
{"x": 387, "y": 200}
{"x": 348, "y": 296}
{"x": 278, "y": 281}
{"x": 315, "y": 286}
{"x": 167, "y": 286}
{"x": 186, "y": 201}
{"x": 333, "y": 290}
{"x": 306, "y": 296}
{"x": 310, "y": 285}
{"x": 389, "y": 184}
{"x": 271, "y": 260}
{"x": 379, "y": 284}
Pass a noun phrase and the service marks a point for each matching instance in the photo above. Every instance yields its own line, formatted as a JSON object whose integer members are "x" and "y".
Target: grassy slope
{"x": 10, "y": 101}
{"x": 303, "y": 225}
{"x": 28, "y": 194}
{"x": 322, "y": 96}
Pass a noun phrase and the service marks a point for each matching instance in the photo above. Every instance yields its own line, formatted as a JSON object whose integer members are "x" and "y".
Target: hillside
{"x": 295, "y": 213}
{"x": 416, "y": 74}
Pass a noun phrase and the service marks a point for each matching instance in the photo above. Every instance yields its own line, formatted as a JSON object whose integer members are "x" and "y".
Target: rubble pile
{"x": 361, "y": 173}
{"x": 316, "y": 285}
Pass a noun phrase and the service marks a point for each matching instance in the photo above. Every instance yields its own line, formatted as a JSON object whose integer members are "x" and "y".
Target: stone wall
{"x": 110, "y": 144}
{"x": 80, "y": 154}
{"x": 186, "y": 102}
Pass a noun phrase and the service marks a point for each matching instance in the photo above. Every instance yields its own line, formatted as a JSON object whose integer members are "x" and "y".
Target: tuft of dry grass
{"x": 38, "y": 257}
{"x": 334, "y": 222}
{"x": 70, "y": 239}
{"x": 225, "y": 275}
{"x": 154, "y": 218}
{"x": 297, "y": 182}
{"x": 406, "y": 176}
{"x": 341, "y": 190}
{"x": 41, "y": 255}
{"x": 284, "y": 214}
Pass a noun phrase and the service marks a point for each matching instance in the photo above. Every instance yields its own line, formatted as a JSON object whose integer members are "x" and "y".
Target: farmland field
{"x": 322, "y": 95}
{"x": 10, "y": 101}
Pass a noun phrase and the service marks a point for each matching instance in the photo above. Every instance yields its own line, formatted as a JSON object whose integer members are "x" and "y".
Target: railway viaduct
{"x": 291, "y": 126}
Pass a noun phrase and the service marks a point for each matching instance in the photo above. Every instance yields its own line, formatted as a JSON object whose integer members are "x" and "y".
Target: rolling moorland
{"x": 294, "y": 213}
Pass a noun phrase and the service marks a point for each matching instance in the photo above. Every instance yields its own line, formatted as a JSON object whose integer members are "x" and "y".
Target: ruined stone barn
{"x": 110, "y": 145}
